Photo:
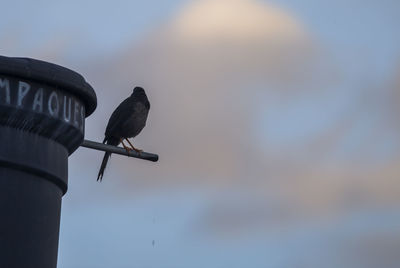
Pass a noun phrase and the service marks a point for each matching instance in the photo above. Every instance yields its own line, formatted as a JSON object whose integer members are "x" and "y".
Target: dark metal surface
{"x": 43, "y": 108}
{"x": 51, "y": 74}
{"x": 119, "y": 150}
{"x": 30, "y": 220}
{"x": 34, "y": 154}
{"x": 46, "y": 99}
{"x": 33, "y": 179}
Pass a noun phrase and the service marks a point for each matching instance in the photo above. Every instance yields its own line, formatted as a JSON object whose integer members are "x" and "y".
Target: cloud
{"x": 222, "y": 42}
{"x": 203, "y": 88}
{"x": 249, "y": 115}
{"x": 207, "y": 82}
{"x": 237, "y": 20}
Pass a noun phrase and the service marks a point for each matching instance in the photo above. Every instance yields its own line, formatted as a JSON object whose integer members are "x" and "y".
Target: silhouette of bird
{"x": 127, "y": 121}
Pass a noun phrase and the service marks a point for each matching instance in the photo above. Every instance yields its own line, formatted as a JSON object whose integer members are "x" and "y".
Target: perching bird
{"x": 126, "y": 122}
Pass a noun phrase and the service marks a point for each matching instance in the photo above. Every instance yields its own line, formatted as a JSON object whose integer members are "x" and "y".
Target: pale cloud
{"x": 236, "y": 20}
{"x": 206, "y": 83}
{"x": 203, "y": 92}
{"x": 211, "y": 85}
{"x": 248, "y": 41}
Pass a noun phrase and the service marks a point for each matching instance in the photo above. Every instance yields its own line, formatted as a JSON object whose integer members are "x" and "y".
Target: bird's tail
{"x": 107, "y": 156}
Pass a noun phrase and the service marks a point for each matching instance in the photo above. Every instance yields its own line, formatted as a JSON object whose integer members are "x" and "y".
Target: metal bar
{"x": 119, "y": 150}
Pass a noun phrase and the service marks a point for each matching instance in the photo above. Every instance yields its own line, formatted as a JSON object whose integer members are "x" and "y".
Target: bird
{"x": 127, "y": 121}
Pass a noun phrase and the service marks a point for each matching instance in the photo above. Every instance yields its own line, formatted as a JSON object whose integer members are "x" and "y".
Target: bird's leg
{"x": 126, "y": 147}
{"x": 137, "y": 150}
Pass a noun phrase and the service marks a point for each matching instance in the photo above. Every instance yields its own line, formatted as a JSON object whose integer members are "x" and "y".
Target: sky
{"x": 276, "y": 123}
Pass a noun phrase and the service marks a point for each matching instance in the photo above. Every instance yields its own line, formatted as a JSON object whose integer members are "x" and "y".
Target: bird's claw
{"x": 139, "y": 151}
{"x": 133, "y": 147}
{"x": 128, "y": 150}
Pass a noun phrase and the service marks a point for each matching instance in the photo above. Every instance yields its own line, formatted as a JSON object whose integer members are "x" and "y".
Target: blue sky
{"x": 278, "y": 139}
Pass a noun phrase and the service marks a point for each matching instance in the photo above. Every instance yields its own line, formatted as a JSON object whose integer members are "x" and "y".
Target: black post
{"x": 43, "y": 108}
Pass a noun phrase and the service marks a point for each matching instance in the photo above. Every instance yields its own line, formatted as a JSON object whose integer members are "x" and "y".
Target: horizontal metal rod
{"x": 119, "y": 150}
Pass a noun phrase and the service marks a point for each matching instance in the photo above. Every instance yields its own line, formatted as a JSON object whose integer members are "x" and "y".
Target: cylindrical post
{"x": 42, "y": 117}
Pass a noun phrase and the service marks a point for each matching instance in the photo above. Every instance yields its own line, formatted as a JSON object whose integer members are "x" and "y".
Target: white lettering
{"x": 23, "y": 89}
{"x": 76, "y": 113}
{"x": 38, "y": 100}
{"x": 67, "y": 118}
{"x": 5, "y": 84}
{"x": 82, "y": 118}
{"x": 53, "y": 109}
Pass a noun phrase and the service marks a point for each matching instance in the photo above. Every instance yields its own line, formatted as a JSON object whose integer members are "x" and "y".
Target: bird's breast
{"x": 135, "y": 123}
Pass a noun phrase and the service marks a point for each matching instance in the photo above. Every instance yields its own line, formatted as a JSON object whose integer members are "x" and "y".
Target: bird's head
{"x": 138, "y": 90}
{"x": 140, "y": 95}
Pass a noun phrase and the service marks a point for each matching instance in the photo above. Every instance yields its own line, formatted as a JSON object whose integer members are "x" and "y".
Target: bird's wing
{"x": 118, "y": 117}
